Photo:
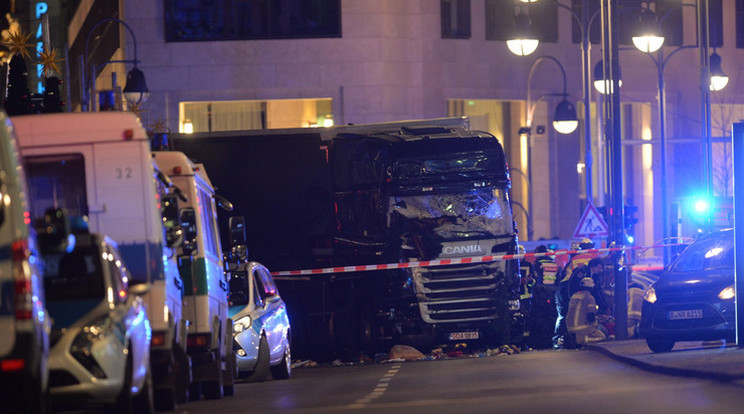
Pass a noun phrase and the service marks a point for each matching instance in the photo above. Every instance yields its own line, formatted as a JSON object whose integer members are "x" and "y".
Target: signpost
{"x": 591, "y": 225}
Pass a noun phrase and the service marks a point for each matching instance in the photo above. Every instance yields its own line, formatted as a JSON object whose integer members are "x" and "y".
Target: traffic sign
{"x": 591, "y": 224}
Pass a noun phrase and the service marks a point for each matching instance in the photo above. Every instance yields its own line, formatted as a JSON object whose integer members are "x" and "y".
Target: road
{"x": 578, "y": 381}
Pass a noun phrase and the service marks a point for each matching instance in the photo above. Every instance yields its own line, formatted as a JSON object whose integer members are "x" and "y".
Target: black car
{"x": 693, "y": 299}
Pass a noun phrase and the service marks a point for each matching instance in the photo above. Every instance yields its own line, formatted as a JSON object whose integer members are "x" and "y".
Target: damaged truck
{"x": 391, "y": 193}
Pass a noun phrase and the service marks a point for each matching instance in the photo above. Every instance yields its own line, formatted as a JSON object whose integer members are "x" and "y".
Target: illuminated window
{"x": 213, "y": 116}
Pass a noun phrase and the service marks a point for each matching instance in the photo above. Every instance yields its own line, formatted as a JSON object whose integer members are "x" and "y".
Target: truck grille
{"x": 458, "y": 293}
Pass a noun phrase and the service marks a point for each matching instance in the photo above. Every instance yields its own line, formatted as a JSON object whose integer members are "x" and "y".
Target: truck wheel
{"x": 284, "y": 369}
{"x": 261, "y": 371}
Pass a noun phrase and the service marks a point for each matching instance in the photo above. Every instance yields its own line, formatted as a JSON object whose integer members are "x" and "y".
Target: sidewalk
{"x": 697, "y": 359}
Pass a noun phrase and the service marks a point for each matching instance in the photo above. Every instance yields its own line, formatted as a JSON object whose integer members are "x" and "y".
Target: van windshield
{"x": 57, "y": 181}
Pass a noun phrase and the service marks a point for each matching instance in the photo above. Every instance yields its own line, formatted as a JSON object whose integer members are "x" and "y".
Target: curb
{"x": 664, "y": 369}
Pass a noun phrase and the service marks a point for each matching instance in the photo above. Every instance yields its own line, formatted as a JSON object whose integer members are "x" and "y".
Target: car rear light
{"x": 8, "y": 365}
{"x": 158, "y": 339}
{"x": 200, "y": 340}
{"x": 24, "y": 302}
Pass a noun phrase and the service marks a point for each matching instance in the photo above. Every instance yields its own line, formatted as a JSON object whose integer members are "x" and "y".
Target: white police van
{"x": 203, "y": 272}
{"x": 99, "y": 165}
{"x": 24, "y": 325}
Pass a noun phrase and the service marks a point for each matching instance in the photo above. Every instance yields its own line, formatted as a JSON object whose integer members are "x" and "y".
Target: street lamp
{"x": 660, "y": 61}
{"x": 523, "y": 41}
{"x": 135, "y": 90}
{"x": 601, "y": 84}
{"x": 718, "y": 79}
{"x": 584, "y": 21}
{"x": 649, "y": 38}
{"x": 565, "y": 121}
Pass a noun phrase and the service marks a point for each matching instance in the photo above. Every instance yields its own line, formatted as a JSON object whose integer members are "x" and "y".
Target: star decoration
{"x": 158, "y": 127}
{"x": 18, "y": 43}
{"x": 136, "y": 109}
{"x": 49, "y": 61}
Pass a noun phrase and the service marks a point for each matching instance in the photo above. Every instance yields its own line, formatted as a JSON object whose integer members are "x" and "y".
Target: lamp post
{"x": 135, "y": 89}
{"x": 707, "y": 84}
{"x": 565, "y": 121}
{"x": 584, "y": 21}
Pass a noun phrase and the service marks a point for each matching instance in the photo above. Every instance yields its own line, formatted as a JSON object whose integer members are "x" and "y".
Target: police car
{"x": 100, "y": 342}
{"x": 261, "y": 331}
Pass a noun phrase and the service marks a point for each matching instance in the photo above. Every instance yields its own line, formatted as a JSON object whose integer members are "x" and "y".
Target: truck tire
{"x": 262, "y": 370}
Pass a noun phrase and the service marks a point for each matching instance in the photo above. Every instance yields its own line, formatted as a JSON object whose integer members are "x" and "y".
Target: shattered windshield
{"x": 478, "y": 213}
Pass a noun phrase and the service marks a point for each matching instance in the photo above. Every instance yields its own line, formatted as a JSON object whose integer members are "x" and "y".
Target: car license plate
{"x": 458, "y": 336}
{"x": 686, "y": 314}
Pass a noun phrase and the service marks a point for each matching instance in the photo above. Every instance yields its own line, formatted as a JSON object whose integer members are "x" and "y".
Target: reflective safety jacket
{"x": 581, "y": 318}
{"x": 548, "y": 271}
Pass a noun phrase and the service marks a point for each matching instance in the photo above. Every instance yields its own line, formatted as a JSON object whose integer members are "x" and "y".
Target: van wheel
{"x": 261, "y": 371}
{"x": 660, "y": 345}
{"x": 284, "y": 369}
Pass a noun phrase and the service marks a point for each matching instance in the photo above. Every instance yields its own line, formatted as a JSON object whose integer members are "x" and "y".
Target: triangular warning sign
{"x": 591, "y": 224}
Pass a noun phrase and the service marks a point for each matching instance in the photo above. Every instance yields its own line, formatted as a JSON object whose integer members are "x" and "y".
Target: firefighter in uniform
{"x": 567, "y": 287}
{"x": 581, "y": 319}
{"x": 543, "y": 313}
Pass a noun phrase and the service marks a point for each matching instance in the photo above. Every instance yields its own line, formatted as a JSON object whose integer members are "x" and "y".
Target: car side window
{"x": 257, "y": 291}
{"x": 269, "y": 288}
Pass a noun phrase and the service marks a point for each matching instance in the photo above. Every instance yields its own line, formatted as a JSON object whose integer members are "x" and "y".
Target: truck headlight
{"x": 727, "y": 293}
{"x": 242, "y": 324}
{"x": 650, "y": 295}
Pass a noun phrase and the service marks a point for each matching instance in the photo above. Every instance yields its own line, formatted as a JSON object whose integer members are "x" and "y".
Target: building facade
{"x": 252, "y": 64}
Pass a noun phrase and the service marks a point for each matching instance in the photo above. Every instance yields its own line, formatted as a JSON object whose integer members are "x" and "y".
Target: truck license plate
{"x": 458, "y": 336}
{"x": 686, "y": 314}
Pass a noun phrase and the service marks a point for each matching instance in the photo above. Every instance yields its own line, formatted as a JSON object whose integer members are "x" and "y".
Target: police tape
{"x": 461, "y": 260}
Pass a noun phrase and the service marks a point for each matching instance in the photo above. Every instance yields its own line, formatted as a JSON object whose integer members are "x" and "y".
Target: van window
{"x": 713, "y": 252}
{"x": 210, "y": 236}
{"x": 57, "y": 181}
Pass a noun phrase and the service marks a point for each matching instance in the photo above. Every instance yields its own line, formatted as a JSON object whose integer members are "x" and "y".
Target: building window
{"x": 208, "y": 20}
{"x": 213, "y": 116}
{"x": 455, "y": 19}
{"x": 500, "y": 19}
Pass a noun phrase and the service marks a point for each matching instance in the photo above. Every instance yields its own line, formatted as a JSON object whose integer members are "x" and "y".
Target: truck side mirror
{"x": 173, "y": 230}
{"x": 188, "y": 226}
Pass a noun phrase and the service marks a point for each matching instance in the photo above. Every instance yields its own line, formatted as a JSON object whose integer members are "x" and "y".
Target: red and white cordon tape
{"x": 454, "y": 261}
